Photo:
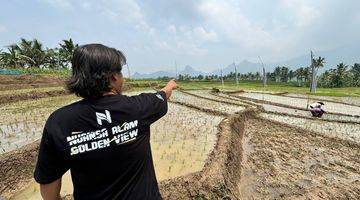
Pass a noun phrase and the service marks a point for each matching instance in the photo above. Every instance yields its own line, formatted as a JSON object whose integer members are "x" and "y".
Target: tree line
{"x": 340, "y": 76}
{"x": 28, "y": 54}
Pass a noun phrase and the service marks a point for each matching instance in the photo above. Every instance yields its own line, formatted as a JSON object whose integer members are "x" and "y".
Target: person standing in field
{"x": 316, "y": 109}
{"x": 104, "y": 139}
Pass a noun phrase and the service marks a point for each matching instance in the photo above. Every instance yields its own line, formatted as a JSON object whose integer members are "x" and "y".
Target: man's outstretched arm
{"x": 170, "y": 86}
{"x": 51, "y": 191}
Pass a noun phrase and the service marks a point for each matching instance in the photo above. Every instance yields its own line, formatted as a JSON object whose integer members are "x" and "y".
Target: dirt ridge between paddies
{"x": 283, "y": 105}
{"x": 31, "y": 95}
{"x": 17, "y": 168}
{"x": 29, "y": 81}
{"x": 16, "y": 97}
{"x": 215, "y": 100}
{"x": 261, "y": 109}
{"x": 286, "y": 94}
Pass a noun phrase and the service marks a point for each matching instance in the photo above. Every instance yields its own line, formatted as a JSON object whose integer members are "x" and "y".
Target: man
{"x": 103, "y": 139}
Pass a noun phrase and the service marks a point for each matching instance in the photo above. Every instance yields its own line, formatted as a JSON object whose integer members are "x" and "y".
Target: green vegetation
{"x": 271, "y": 87}
{"x": 31, "y": 54}
{"x": 342, "y": 76}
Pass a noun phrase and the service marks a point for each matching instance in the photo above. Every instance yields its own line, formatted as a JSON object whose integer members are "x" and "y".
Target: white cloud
{"x": 201, "y": 34}
{"x": 171, "y": 29}
{"x": 235, "y": 26}
{"x": 186, "y": 40}
{"x": 304, "y": 13}
{"x": 2, "y": 28}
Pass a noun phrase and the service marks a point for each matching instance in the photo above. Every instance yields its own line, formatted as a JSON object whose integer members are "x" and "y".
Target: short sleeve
{"x": 50, "y": 165}
{"x": 152, "y": 106}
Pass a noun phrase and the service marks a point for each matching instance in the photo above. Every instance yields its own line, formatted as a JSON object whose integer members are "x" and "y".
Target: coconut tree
{"x": 284, "y": 74}
{"x": 12, "y": 57}
{"x": 319, "y": 62}
{"x": 277, "y": 73}
{"x": 316, "y": 64}
{"x": 31, "y": 52}
{"x": 38, "y": 53}
{"x": 340, "y": 75}
{"x": 355, "y": 70}
{"x": 67, "y": 48}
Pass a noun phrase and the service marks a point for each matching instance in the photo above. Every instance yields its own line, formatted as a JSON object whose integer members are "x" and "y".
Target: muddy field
{"x": 227, "y": 145}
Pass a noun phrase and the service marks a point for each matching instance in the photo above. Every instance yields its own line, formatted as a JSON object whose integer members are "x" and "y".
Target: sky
{"x": 206, "y": 34}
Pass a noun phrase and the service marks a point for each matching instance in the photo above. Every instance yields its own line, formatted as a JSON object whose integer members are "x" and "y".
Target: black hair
{"x": 92, "y": 67}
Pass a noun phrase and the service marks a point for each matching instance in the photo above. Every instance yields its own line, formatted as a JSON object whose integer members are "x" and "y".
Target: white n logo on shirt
{"x": 160, "y": 97}
{"x": 102, "y": 116}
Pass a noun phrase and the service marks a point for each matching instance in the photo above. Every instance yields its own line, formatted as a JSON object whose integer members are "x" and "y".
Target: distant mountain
{"x": 191, "y": 71}
{"x": 153, "y": 75}
{"x": 348, "y": 54}
{"x": 243, "y": 67}
{"x": 187, "y": 70}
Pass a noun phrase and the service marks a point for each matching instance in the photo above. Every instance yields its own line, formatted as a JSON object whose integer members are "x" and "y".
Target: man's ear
{"x": 115, "y": 77}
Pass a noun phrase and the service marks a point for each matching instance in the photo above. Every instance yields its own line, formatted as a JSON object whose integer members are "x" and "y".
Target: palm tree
{"x": 299, "y": 75}
{"x": 284, "y": 74}
{"x": 31, "y": 53}
{"x": 277, "y": 73}
{"x": 67, "y": 48}
{"x": 355, "y": 70}
{"x": 12, "y": 58}
{"x": 340, "y": 75}
{"x": 38, "y": 53}
{"x": 317, "y": 63}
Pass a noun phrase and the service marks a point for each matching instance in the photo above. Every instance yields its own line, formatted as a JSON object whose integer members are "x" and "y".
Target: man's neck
{"x": 110, "y": 93}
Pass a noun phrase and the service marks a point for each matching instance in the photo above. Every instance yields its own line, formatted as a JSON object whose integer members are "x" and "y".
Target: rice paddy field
{"x": 214, "y": 145}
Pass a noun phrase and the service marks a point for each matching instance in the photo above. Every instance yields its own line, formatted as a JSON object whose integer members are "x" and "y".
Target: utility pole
{"x": 58, "y": 59}
{"x": 176, "y": 72}
{"x": 222, "y": 79}
{"x": 128, "y": 71}
{"x": 264, "y": 73}
{"x": 313, "y": 74}
{"x": 236, "y": 75}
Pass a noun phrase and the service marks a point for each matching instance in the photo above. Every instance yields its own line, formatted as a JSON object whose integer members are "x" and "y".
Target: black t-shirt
{"x": 105, "y": 142}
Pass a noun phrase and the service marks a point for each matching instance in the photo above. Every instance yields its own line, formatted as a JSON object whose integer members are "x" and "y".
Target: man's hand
{"x": 170, "y": 86}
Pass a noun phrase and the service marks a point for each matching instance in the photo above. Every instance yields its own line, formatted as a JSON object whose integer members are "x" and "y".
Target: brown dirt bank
{"x": 17, "y": 169}
{"x": 29, "y": 81}
{"x": 284, "y": 162}
{"x": 4, "y": 99}
{"x": 31, "y": 95}
{"x": 13, "y": 82}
